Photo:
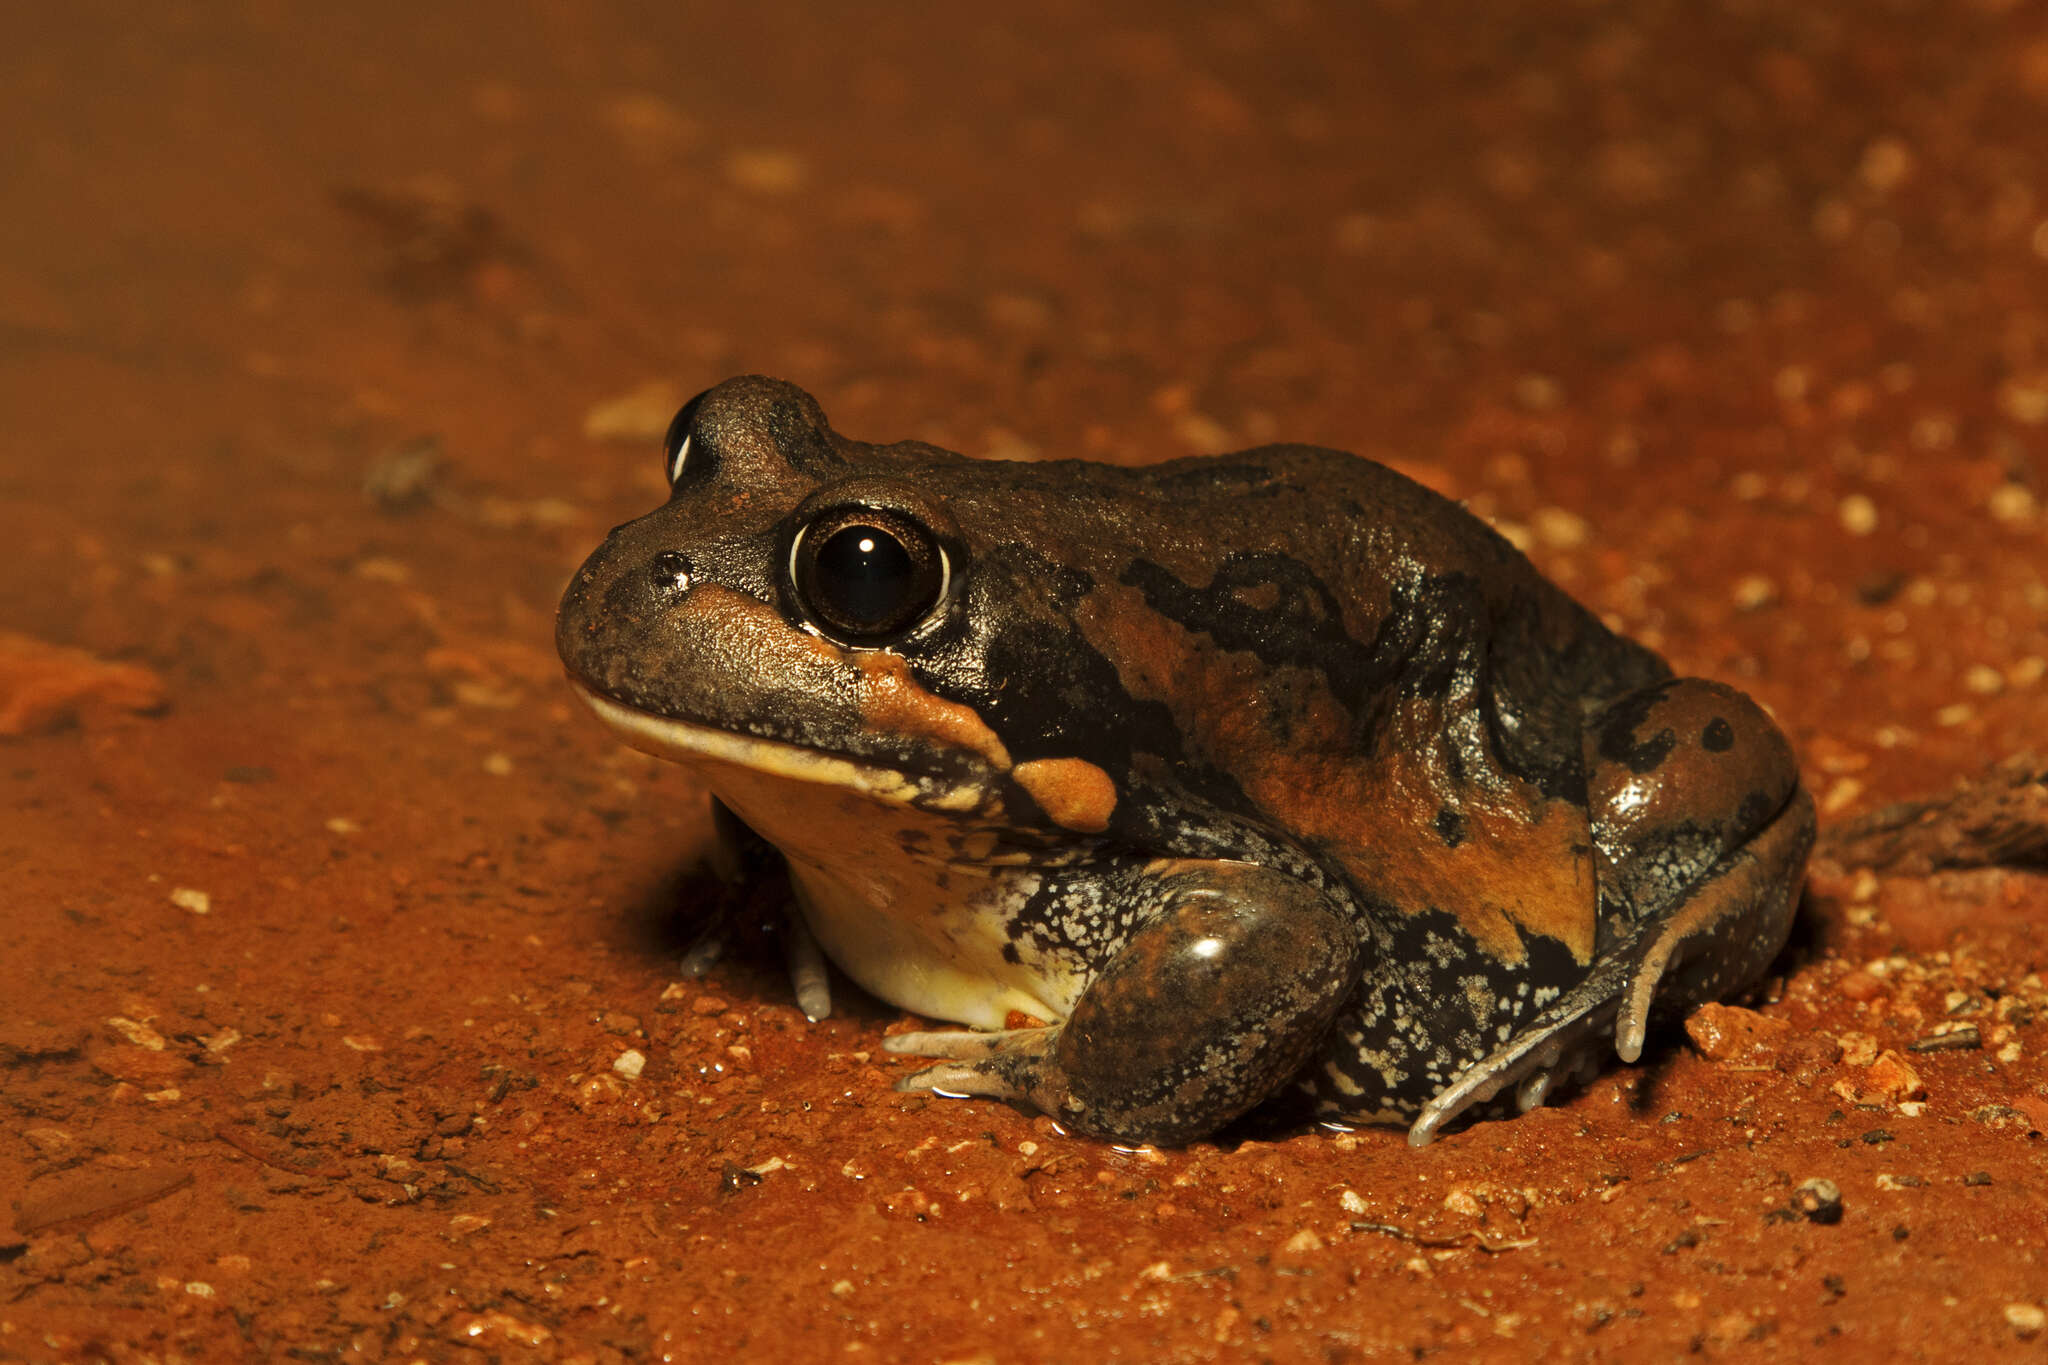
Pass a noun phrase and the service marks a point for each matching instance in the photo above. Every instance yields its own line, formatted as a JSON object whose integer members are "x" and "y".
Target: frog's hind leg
{"x": 1209, "y": 1009}
{"x": 1002, "y": 1065}
{"x": 1721, "y": 939}
{"x": 1701, "y": 831}
{"x": 1616, "y": 998}
{"x": 747, "y": 868}
{"x": 1552, "y": 1049}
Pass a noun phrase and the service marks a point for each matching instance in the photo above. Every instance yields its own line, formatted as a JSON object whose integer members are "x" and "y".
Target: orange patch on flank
{"x": 891, "y": 700}
{"x": 1520, "y": 865}
{"x": 1074, "y": 792}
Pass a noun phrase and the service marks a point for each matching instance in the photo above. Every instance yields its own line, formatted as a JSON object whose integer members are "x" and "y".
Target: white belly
{"x": 917, "y": 920}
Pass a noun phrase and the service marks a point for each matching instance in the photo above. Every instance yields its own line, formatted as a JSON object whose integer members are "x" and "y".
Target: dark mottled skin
{"x": 1323, "y": 696}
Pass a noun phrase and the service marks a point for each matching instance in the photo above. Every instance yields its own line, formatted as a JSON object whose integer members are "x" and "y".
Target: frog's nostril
{"x": 671, "y": 570}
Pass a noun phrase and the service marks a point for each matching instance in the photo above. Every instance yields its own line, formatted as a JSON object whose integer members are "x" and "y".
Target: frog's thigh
{"x": 1701, "y": 830}
{"x": 1210, "y": 1008}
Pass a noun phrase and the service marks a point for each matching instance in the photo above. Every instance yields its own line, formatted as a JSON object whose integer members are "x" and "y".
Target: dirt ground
{"x": 333, "y": 337}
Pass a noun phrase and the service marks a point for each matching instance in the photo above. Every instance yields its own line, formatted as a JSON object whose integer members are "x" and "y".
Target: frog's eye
{"x": 866, "y": 574}
{"x": 682, "y": 453}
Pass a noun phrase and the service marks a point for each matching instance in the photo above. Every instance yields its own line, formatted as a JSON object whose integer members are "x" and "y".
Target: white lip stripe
{"x": 665, "y": 737}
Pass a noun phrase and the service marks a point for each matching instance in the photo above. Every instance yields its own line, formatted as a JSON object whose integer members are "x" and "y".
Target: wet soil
{"x": 331, "y": 339}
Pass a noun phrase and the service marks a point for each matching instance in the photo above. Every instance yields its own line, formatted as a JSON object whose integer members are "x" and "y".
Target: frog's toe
{"x": 1632, "y": 1020}
{"x": 959, "y": 1045}
{"x": 807, "y": 976}
{"x": 1577, "y": 1067}
{"x": 1009, "y": 1064}
{"x": 1717, "y": 913}
{"x": 705, "y": 949}
{"x": 1553, "y": 1050}
{"x": 1720, "y": 938}
{"x": 960, "y": 1080}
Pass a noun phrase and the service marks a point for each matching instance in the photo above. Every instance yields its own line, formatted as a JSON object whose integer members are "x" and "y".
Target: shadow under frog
{"x": 1264, "y": 776}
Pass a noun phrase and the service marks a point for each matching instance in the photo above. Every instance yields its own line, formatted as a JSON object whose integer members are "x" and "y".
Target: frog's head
{"x": 809, "y": 608}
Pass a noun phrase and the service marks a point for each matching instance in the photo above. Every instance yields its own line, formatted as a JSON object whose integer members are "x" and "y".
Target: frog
{"x": 1266, "y": 783}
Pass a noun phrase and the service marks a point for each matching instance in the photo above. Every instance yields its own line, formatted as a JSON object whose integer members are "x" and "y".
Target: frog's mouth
{"x": 706, "y": 747}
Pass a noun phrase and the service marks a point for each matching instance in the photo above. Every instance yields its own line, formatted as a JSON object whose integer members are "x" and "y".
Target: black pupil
{"x": 866, "y": 576}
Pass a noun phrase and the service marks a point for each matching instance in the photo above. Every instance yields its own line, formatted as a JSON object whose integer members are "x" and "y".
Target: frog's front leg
{"x": 1700, "y": 832}
{"x": 744, "y": 862}
{"x": 1209, "y": 1008}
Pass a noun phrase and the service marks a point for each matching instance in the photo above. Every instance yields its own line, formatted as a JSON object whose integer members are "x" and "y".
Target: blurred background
{"x": 333, "y": 337}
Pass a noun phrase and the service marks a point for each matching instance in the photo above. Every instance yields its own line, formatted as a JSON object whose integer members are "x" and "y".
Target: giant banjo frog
{"x": 1262, "y": 777}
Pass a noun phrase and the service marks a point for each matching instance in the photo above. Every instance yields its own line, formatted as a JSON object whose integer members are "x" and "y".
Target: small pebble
{"x": 1984, "y": 680}
{"x": 2025, "y": 403}
{"x": 1890, "y": 1078}
{"x": 1754, "y": 591}
{"x": 2013, "y": 505}
{"x": 630, "y": 1063}
{"x": 1887, "y": 163}
{"x": 1820, "y": 1200}
{"x": 49, "y": 1141}
{"x": 767, "y": 171}
{"x": 1559, "y": 529}
{"x": 1538, "y": 392}
{"x": 1840, "y": 795}
{"x": 1301, "y": 1243}
{"x": 198, "y": 902}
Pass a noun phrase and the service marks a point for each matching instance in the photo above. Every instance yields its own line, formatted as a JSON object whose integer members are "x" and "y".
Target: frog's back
{"x": 1369, "y": 533}
{"x": 1423, "y": 589}
{"x": 1296, "y": 636}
